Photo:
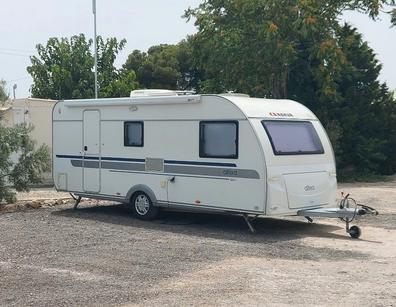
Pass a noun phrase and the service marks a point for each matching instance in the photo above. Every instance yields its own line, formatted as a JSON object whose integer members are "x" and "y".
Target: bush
{"x": 21, "y": 163}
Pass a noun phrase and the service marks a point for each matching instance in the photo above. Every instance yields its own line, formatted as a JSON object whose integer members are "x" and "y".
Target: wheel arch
{"x": 141, "y": 188}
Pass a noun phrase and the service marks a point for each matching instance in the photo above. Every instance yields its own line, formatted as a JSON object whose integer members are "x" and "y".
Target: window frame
{"x": 126, "y": 133}
{"x": 202, "y": 154}
{"x": 292, "y": 153}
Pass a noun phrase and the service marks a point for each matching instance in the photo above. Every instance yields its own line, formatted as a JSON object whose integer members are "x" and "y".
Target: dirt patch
{"x": 44, "y": 203}
{"x": 44, "y": 198}
{"x": 101, "y": 255}
{"x": 32, "y": 204}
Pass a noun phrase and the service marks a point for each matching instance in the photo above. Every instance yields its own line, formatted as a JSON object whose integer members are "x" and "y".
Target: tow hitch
{"x": 348, "y": 211}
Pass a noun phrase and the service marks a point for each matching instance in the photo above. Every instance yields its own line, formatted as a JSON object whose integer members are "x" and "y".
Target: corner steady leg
{"x": 248, "y": 222}
{"x": 309, "y": 219}
{"x": 77, "y": 199}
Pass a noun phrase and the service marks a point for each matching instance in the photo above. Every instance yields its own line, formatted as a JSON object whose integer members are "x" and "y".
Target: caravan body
{"x": 220, "y": 152}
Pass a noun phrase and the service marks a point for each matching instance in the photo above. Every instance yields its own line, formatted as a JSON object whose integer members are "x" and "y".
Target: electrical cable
{"x": 356, "y": 212}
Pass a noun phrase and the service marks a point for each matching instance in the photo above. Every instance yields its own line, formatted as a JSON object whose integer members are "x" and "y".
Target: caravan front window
{"x": 293, "y": 137}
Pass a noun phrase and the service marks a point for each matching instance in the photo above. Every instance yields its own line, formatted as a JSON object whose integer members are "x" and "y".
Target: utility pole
{"x": 14, "y": 90}
{"x": 96, "y": 49}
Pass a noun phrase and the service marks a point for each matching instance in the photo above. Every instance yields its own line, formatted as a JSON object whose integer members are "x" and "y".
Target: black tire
{"x": 142, "y": 207}
{"x": 355, "y": 232}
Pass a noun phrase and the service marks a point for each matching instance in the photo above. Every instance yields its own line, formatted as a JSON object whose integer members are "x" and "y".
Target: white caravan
{"x": 229, "y": 153}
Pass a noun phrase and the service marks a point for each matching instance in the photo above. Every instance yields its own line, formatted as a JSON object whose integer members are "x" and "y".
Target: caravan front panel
{"x": 300, "y": 165}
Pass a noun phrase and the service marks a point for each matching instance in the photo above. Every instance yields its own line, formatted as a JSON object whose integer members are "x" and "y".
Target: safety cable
{"x": 345, "y": 204}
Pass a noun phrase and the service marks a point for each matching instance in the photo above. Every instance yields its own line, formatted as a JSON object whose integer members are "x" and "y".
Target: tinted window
{"x": 218, "y": 140}
{"x": 133, "y": 134}
{"x": 293, "y": 137}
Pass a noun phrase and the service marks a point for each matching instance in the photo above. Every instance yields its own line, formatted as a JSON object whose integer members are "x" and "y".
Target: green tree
{"x": 112, "y": 81}
{"x": 120, "y": 86}
{"x": 3, "y": 92}
{"x": 31, "y": 162}
{"x": 254, "y": 45}
{"x": 359, "y": 116}
{"x": 163, "y": 66}
{"x": 364, "y": 110}
{"x": 158, "y": 68}
{"x": 298, "y": 49}
{"x": 63, "y": 68}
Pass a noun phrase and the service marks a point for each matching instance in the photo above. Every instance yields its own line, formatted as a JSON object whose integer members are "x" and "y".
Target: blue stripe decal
{"x": 143, "y": 160}
{"x": 68, "y": 157}
{"x": 123, "y": 159}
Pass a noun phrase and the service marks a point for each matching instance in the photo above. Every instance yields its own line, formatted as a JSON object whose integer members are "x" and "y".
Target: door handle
{"x": 85, "y": 148}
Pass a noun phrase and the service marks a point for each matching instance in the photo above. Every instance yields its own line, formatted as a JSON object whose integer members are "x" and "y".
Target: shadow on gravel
{"x": 228, "y": 227}
{"x": 275, "y": 238}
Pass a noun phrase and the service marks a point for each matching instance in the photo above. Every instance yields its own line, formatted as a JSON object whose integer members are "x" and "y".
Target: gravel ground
{"x": 101, "y": 255}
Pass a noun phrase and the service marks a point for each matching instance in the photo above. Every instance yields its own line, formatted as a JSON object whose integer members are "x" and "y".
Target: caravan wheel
{"x": 143, "y": 207}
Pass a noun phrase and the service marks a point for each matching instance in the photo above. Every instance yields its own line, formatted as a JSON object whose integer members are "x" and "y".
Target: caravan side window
{"x": 218, "y": 139}
{"x": 133, "y": 134}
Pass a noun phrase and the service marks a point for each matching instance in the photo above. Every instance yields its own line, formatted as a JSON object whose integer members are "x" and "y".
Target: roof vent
{"x": 153, "y": 92}
{"x": 159, "y": 92}
{"x": 235, "y": 94}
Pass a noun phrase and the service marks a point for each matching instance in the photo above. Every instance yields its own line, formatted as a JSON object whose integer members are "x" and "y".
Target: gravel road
{"x": 101, "y": 255}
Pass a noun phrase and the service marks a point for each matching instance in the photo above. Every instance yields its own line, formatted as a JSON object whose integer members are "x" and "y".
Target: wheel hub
{"x": 142, "y": 204}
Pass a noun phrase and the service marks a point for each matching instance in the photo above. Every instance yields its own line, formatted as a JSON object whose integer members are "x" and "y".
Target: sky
{"x": 25, "y": 23}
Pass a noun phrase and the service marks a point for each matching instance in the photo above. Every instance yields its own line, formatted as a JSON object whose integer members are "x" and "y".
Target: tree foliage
{"x": 21, "y": 163}
{"x": 163, "y": 66}
{"x": 63, "y": 69}
{"x": 3, "y": 92}
{"x": 298, "y": 49}
{"x": 359, "y": 114}
{"x": 113, "y": 82}
{"x": 255, "y": 44}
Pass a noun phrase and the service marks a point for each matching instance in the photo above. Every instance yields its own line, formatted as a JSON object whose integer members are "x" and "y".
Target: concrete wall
{"x": 37, "y": 112}
{"x": 6, "y": 115}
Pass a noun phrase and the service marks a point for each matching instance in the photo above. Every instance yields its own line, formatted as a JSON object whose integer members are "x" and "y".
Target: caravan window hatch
{"x": 133, "y": 134}
{"x": 218, "y": 139}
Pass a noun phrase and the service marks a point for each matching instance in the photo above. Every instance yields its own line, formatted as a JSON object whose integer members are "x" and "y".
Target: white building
{"x": 37, "y": 112}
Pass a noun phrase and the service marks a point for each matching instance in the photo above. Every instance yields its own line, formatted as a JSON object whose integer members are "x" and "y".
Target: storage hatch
{"x": 308, "y": 189}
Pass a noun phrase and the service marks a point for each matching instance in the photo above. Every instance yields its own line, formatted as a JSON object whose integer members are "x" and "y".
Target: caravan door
{"x": 91, "y": 160}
